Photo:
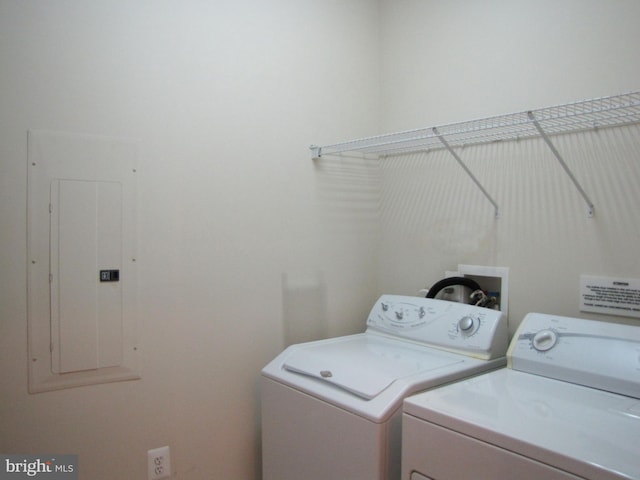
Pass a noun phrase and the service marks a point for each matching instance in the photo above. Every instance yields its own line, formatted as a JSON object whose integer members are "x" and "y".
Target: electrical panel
{"x": 82, "y": 282}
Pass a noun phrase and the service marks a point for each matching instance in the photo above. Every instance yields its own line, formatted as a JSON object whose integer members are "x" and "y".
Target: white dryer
{"x": 332, "y": 409}
{"x": 567, "y": 407}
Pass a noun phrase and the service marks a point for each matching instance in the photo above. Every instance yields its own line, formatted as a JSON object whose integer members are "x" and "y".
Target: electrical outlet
{"x": 159, "y": 463}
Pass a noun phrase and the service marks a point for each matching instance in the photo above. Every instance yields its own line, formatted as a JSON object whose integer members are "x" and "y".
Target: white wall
{"x": 237, "y": 225}
{"x": 451, "y": 61}
{"x": 223, "y": 99}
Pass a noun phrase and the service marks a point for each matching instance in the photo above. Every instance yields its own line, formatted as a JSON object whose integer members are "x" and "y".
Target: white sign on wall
{"x": 612, "y": 296}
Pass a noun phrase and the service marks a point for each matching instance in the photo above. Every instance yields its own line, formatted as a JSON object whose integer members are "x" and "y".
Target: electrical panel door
{"x": 86, "y": 307}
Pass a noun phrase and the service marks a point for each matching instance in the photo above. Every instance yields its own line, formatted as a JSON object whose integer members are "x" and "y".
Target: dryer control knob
{"x": 544, "y": 340}
{"x": 466, "y": 324}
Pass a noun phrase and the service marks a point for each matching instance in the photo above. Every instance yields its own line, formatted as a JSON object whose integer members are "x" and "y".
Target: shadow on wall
{"x": 349, "y": 191}
{"x": 430, "y": 202}
{"x": 304, "y": 307}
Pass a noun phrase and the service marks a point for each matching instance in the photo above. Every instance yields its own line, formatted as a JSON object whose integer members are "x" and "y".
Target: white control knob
{"x": 466, "y": 324}
{"x": 544, "y": 340}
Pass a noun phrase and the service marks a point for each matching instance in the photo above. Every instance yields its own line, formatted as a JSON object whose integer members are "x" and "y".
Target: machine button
{"x": 544, "y": 340}
{"x": 466, "y": 324}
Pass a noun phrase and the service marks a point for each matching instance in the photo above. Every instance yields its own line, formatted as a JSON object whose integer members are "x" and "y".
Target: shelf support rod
{"x": 545, "y": 137}
{"x": 466, "y": 169}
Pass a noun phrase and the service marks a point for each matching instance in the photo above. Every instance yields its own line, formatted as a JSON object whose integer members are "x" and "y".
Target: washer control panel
{"x": 593, "y": 353}
{"x": 474, "y": 331}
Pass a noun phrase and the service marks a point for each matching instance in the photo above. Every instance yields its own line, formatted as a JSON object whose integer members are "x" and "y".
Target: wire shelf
{"x": 597, "y": 113}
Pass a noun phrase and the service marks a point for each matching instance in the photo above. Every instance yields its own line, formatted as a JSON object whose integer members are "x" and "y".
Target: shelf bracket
{"x": 316, "y": 152}
{"x": 545, "y": 137}
{"x": 466, "y": 169}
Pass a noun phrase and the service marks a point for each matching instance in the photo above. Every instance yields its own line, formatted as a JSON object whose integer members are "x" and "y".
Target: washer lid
{"x": 366, "y": 365}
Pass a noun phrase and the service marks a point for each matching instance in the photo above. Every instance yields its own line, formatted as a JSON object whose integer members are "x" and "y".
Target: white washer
{"x": 567, "y": 407}
{"x": 332, "y": 409}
